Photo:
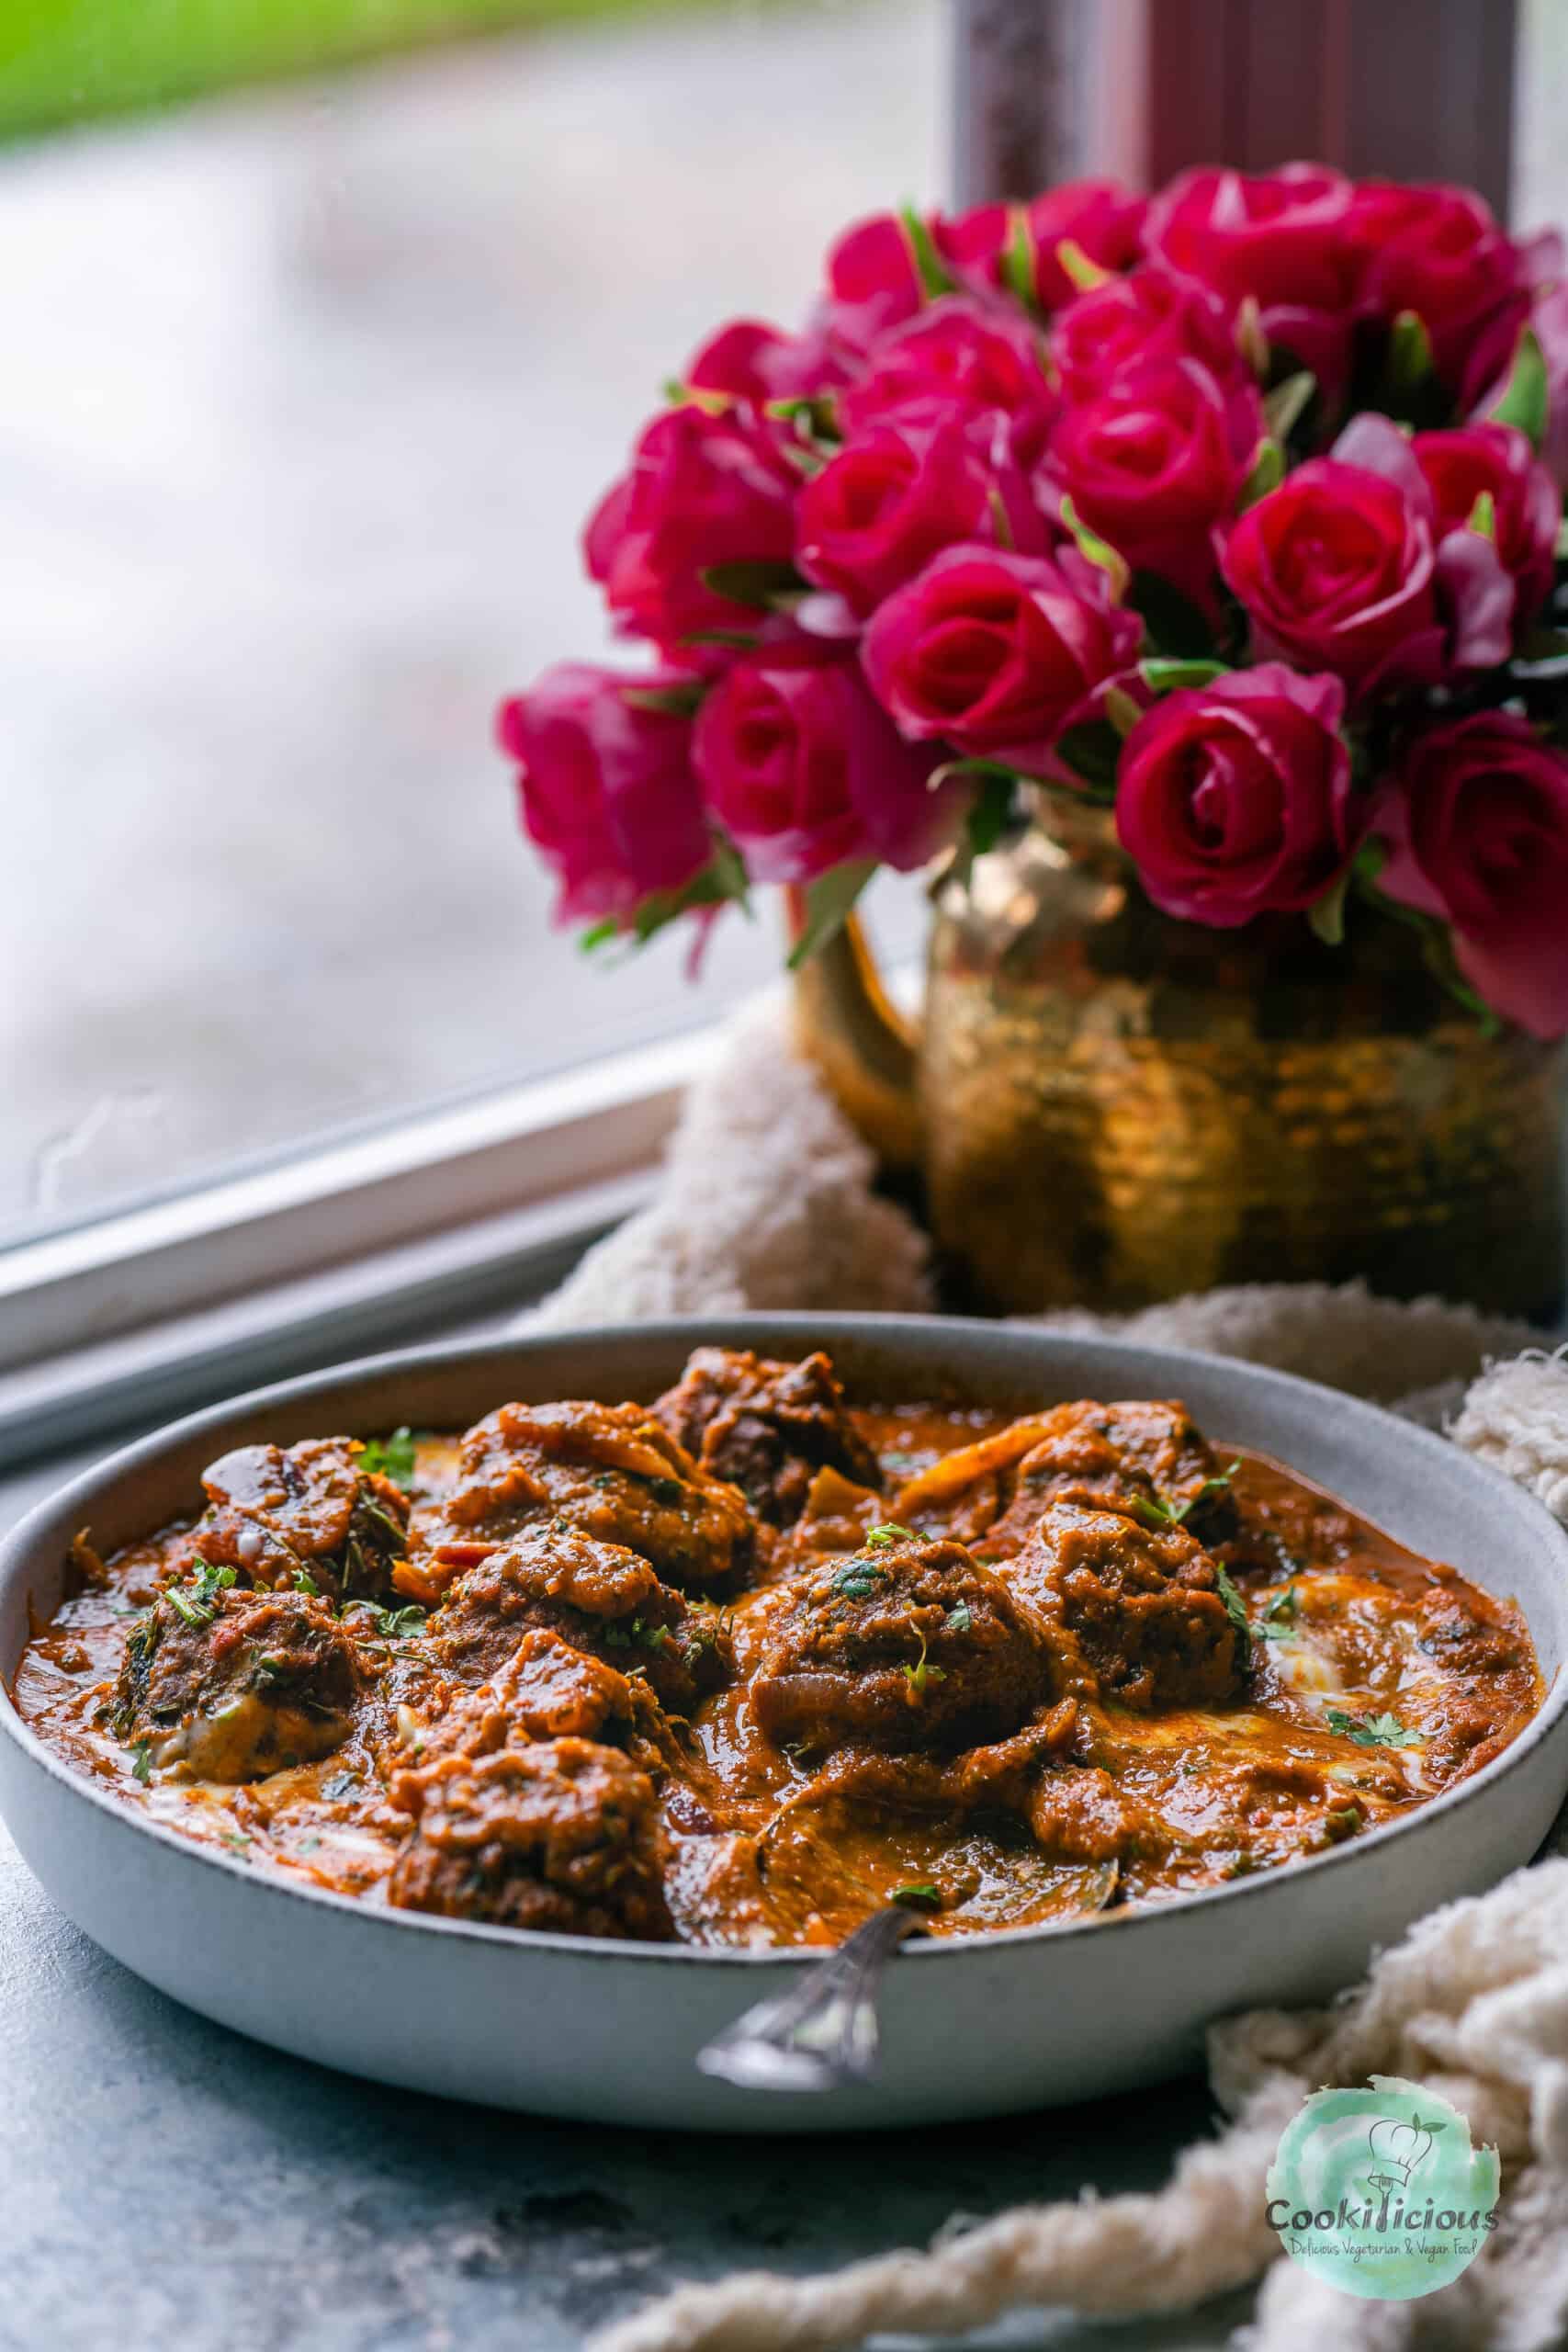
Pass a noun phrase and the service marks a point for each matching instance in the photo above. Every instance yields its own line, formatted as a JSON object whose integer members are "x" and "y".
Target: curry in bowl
{"x": 740, "y": 1666}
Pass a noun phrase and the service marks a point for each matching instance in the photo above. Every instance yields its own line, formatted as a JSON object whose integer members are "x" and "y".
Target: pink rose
{"x": 1234, "y": 799}
{"x": 1149, "y": 314}
{"x": 1440, "y": 253}
{"x": 901, "y": 491}
{"x": 874, "y": 280}
{"x": 1336, "y": 568}
{"x": 704, "y": 491}
{"x": 605, "y": 786}
{"x": 996, "y": 654}
{"x": 751, "y": 361}
{"x": 1155, "y": 460}
{"x": 1477, "y": 830}
{"x": 1496, "y": 461}
{"x": 1277, "y": 236}
{"x": 960, "y": 358}
{"x": 1101, "y": 217}
{"x": 803, "y": 769}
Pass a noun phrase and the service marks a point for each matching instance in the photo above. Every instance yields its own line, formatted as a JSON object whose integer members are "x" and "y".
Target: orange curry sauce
{"x": 739, "y": 1666}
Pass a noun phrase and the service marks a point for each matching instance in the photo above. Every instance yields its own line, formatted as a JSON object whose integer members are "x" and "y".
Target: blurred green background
{"x": 65, "y": 61}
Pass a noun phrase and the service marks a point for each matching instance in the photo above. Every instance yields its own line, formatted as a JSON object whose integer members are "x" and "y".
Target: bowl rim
{"x": 19, "y": 1543}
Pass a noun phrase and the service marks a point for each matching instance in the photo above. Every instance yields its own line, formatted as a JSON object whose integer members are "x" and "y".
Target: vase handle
{"x": 865, "y": 1047}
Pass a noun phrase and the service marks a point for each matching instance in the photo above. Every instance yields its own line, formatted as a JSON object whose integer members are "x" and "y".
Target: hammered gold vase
{"x": 1109, "y": 1107}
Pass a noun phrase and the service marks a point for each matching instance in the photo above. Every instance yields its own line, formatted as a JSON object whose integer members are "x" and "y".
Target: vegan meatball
{"x": 595, "y": 1596}
{"x": 904, "y": 1644}
{"x": 304, "y": 1515}
{"x": 611, "y": 1471}
{"x": 231, "y": 1684}
{"x": 768, "y": 1428}
{"x": 560, "y": 1834}
{"x": 1143, "y": 1606}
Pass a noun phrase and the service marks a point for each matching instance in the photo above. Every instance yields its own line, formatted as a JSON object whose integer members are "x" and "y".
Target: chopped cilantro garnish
{"x": 1372, "y": 1730}
{"x": 858, "y": 1579}
{"x": 960, "y": 1617}
{"x": 922, "y": 1894}
{"x": 669, "y": 1491}
{"x": 305, "y": 1582}
{"x": 392, "y": 1624}
{"x": 1153, "y": 1510}
{"x": 1280, "y": 1616}
{"x": 922, "y": 1672}
{"x": 889, "y": 1532}
{"x": 1236, "y": 1610}
{"x": 142, "y": 1761}
{"x": 392, "y": 1457}
{"x": 196, "y": 1600}
{"x": 1342, "y": 1822}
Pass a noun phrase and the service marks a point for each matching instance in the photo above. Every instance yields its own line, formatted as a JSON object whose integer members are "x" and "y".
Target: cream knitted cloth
{"x": 768, "y": 1202}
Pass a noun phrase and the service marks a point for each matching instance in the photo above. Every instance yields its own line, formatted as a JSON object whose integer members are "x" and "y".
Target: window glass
{"x": 308, "y": 390}
{"x": 1540, "y": 98}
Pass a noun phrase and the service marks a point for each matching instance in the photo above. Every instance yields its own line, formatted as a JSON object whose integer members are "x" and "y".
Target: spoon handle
{"x": 824, "y": 2033}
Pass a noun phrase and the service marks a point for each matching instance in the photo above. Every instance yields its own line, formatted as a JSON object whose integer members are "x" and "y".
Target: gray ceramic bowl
{"x": 608, "y": 2031}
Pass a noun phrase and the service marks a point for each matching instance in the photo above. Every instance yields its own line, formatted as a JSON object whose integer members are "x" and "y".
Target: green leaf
{"x": 989, "y": 813}
{"x": 1409, "y": 362}
{"x": 1526, "y": 399}
{"x": 1018, "y": 261}
{"x": 1122, "y": 711}
{"x": 1093, "y": 751}
{"x": 142, "y": 1761}
{"x": 960, "y": 1617}
{"x": 1077, "y": 267}
{"x": 1236, "y": 1610}
{"x": 1326, "y": 915}
{"x": 1372, "y": 1731}
{"x": 1483, "y": 516}
{"x": 1250, "y": 339}
{"x": 889, "y": 1531}
{"x": 765, "y": 584}
{"x": 929, "y": 267}
{"x": 1562, "y": 545}
{"x": 828, "y": 901}
{"x": 1098, "y": 551}
{"x": 1175, "y": 624}
{"x": 1268, "y": 472}
{"x": 921, "y": 1894}
{"x": 858, "y": 1579}
{"x": 1164, "y": 675}
{"x": 1284, "y": 407}
{"x": 598, "y": 932}
{"x": 671, "y": 702}
{"x": 1280, "y": 1616}
{"x": 392, "y": 1457}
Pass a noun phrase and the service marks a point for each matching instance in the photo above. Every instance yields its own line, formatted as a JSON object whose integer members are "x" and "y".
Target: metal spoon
{"x": 824, "y": 2035}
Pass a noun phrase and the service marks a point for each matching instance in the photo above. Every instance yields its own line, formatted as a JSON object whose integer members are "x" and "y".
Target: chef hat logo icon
{"x": 1399, "y": 2148}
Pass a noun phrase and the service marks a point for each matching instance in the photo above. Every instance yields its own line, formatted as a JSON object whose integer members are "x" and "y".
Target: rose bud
{"x": 748, "y": 361}
{"x": 1154, "y": 461}
{"x": 1477, "y": 830}
{"x": 1496, "y": 462}
{"x": 704, "y": 491}
{"x": 605, "y": 786}
{"x": 1440, "y": 253}
{"x": 967, "y": 360}
{"x": 1336, "y": 568}
{"x": 874, "y": 280}
{"x": 1234, "y": 799}
{"x": 1101, "y": 217}
{"x": 1277, "y": 236}
{"x": 902, "y": 490}
{"x": 803, "y": 769}
{"x": 998, "y": 653}
{"x": 1127, "y": 322}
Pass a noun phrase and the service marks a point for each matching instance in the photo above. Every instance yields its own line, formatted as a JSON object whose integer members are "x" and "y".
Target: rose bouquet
{"x": 1238, "y": 511}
